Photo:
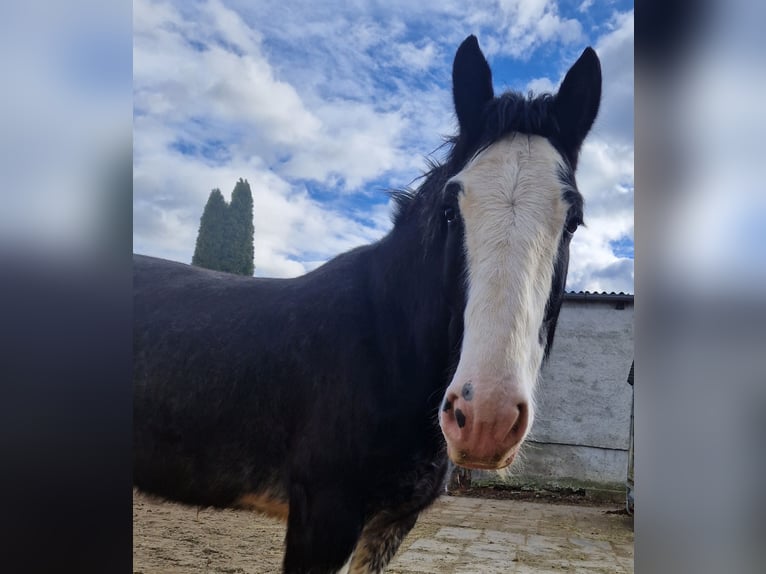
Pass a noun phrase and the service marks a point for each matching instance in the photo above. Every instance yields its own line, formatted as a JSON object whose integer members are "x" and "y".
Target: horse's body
{"x": 319, "y": 399}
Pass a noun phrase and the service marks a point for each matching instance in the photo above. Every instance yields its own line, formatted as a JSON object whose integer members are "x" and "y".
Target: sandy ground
{"x": 458, "y": 535}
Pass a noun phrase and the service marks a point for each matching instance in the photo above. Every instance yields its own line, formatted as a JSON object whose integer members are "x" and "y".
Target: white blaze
{"x": 513, "y": 212}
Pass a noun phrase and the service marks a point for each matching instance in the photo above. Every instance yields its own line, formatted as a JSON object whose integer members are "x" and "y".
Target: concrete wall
{"x": 582, "y": 427}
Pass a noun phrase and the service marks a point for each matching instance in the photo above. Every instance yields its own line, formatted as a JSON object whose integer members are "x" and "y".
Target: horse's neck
{"x": 409, "y": 301}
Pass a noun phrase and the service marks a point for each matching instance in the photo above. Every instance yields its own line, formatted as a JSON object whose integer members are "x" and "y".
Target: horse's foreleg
{"x": 379, "y": 542}
{"x": 322, "y": 529}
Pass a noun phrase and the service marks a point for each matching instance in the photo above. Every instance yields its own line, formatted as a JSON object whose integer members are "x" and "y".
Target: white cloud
{"x": 417, "y": 57}
{"x": 179, "y": 82}
{"x": 615, "y": 49}
{"x": 525, "y": 25}
{"x": 541, "y": 85}
{"x": 605, "y": 178}
{"x": 358, "y": 144}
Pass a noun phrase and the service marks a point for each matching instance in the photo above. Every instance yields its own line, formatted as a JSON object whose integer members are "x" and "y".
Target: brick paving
{"x": 470, "y": 535}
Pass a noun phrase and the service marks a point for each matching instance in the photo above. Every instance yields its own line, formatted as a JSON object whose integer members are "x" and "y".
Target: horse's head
{"x": 507, "y": 216}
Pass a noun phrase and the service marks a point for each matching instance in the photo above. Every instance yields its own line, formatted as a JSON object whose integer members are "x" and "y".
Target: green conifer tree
{"x": 211, "y": 237}
{"x": 241, "y": 229}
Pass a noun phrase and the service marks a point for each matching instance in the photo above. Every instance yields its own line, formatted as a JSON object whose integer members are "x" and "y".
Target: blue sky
{"x": 323, "y": 106}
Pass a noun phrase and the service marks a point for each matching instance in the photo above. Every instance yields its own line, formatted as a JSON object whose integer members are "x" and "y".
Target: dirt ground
{"x": 458, "y": 534}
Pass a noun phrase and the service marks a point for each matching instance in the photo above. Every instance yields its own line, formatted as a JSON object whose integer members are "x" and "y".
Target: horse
{"x": 334, "y": 400}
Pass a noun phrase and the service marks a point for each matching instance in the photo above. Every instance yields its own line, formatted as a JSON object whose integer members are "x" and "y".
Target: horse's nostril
{"x": 520, "y": 426}
{"x": 460, "y": 418}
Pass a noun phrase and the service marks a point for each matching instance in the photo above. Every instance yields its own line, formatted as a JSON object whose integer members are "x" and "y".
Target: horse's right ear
{"x": 471, "y": 86}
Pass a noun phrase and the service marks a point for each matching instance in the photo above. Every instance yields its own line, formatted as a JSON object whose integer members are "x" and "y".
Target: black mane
{"x": 513, "y": 112}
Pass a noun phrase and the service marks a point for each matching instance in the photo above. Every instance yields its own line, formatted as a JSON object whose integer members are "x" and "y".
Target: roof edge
{"x": 598, "y": 297}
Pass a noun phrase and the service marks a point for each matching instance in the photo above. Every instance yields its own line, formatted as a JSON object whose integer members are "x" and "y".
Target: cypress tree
{"x": 241, "y": 229}
{"x": 212, "y": 227}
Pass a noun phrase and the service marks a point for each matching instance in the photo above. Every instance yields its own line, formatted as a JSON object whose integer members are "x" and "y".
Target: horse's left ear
{"x": 471, "y": 86}
{"x": 578, "y": 100}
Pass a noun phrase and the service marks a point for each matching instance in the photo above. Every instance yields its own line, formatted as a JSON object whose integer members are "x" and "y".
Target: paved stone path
{"x": 469, "y": 535}
{"x": 458, "y": 535}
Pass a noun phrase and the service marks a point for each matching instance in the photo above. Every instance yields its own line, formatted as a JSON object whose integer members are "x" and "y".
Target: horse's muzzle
{"x": 483, "y": 434}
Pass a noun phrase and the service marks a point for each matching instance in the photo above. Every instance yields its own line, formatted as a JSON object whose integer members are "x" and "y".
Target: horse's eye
{"x": 449, "y": 214}
{"x": 572, "y": 226}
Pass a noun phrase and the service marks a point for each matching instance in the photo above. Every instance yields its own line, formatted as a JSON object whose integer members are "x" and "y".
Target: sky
{"x": 324, "y": 106}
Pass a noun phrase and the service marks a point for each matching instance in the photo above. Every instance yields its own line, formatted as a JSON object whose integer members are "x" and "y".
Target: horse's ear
{"x": 471, "y": 86}
{"x": 578, "y": 100}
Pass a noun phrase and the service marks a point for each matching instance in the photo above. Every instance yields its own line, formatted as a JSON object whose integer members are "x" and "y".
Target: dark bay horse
{"x": 333, "y": 400}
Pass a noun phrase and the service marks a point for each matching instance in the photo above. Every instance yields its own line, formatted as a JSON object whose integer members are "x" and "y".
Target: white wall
{"x": 582, "y": 425}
